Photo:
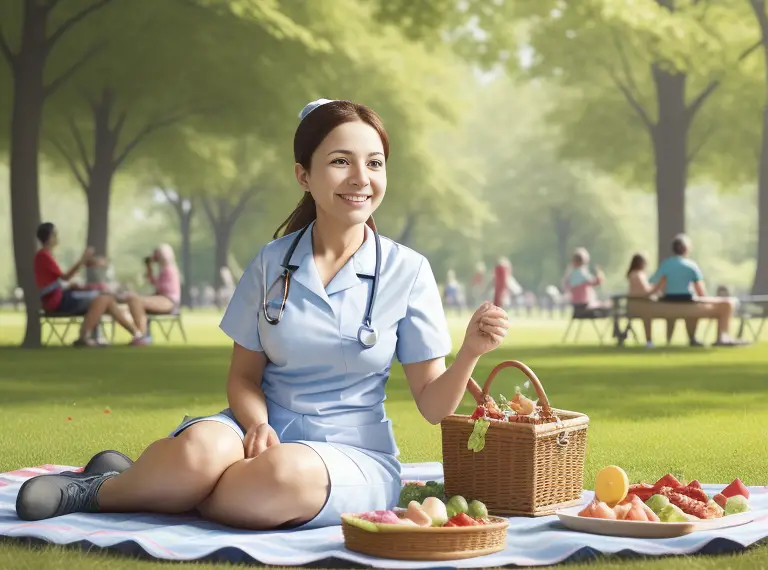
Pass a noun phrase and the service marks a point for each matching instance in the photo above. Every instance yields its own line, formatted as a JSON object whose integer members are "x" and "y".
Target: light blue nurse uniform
{"x": 322, "y": 388}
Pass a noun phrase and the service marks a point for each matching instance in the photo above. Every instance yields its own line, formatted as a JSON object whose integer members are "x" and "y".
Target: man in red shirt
{"x": 58, "y": 296}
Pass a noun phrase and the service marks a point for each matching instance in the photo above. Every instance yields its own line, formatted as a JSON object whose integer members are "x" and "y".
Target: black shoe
{"x": 48, "y": 496}
{"x": 106, "y": 461}
{"x": 693, "y": 343}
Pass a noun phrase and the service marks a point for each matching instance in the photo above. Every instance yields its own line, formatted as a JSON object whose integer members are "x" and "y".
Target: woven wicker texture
{"x": 409, "y": 543}
{"x": 525, "y": 468}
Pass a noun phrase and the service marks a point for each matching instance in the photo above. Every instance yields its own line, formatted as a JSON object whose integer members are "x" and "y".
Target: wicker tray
{"x": 530, "y": 466}
{"x": 428, "y": 543}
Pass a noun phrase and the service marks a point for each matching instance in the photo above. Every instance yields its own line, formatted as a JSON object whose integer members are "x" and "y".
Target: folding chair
{"x": 59, "y": 324}
{"x": 579, "y": 319}
{"x": 166, "y": 324}
{"x": 752, "y": 308}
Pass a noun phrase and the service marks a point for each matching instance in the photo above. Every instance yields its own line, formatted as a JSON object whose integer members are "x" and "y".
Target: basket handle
{"x": 481, "y": 394}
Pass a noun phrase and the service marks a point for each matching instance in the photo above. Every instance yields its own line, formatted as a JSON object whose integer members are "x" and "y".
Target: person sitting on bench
{"x": 681, "y": 281}
{"x": 640, "y": 288}
{"x": 58, "y": 296}
{"x": 167, "y": 297}
{"x": 580, "y": 283}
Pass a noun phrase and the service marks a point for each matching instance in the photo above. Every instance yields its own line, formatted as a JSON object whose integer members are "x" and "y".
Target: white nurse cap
{"x": 312, "y": 106}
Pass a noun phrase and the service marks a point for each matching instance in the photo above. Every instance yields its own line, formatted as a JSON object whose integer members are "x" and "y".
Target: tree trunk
{"x": 670, "y": 146}
{"x": 26, "y": 120}
{"x": 185, "y": 219}
{"x": 102, "y": 172}
{"x": 760, "y": 284}
{"x": 223, "y": 233}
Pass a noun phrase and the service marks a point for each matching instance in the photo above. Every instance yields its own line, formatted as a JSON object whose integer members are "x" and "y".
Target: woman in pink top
{"x": 580, "y": 284}
{"x": 167, "y": 283}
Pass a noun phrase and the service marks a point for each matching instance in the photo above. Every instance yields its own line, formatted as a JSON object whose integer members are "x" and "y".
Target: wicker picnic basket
{"x": 529, "y": 466}
{"x": 428, "y": 543}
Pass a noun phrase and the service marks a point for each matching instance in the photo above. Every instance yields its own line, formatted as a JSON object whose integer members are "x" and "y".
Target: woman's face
{"x": 348, "y": 176}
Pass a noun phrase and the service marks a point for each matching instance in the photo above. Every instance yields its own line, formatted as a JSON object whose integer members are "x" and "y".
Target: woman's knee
{"x": 209, "y": 447}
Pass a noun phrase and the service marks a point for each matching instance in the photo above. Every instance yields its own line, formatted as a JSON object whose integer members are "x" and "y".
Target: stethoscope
{"x": 367, "y": 335}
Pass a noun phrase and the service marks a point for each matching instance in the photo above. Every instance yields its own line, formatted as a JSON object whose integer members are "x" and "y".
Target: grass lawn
{"x": 697, "y": 413}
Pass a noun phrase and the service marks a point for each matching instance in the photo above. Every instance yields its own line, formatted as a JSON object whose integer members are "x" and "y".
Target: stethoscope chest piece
{"x": 367, "y": 336}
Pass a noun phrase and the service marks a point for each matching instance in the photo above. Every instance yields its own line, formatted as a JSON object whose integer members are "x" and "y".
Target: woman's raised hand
{"x": 486, "y": 329}
{"x": 258, "y": 438}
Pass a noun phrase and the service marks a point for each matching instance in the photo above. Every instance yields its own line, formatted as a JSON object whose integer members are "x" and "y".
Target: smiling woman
{"x": 306, "y": 436}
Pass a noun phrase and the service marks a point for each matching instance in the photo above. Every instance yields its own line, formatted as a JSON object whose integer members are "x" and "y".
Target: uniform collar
{"x": 361, "y": 264}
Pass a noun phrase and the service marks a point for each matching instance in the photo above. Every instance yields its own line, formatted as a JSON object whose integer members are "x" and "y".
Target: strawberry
{"x": 450, "y": 523}
{"x": 735, "y": 488}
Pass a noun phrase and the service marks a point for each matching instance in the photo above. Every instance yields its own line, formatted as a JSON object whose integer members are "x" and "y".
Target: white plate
{"x": 641, "y": 529}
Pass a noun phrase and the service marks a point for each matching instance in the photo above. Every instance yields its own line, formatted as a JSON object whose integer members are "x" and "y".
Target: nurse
{"x": 316, "y": 320}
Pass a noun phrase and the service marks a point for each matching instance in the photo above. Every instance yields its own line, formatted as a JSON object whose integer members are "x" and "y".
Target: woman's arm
{"x": 246, "y": 399}
{"x": 438, "y": 390}
{"x": 659, "y": 287}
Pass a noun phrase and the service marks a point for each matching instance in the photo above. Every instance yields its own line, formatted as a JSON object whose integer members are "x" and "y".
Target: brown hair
{"x": 638, "y": 263}
{"x": 310, "y": 133}
{"x": 681, "y": 244}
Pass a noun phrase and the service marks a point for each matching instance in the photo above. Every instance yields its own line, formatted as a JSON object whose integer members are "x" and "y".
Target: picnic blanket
{"x": 531, "y": 541}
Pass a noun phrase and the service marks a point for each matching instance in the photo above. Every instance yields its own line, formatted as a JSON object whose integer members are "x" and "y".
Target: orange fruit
{"x": 611, "y": 485}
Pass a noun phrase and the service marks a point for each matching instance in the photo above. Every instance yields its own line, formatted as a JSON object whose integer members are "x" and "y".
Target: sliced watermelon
{"x": 360, "y": 523}
{"x": 735, "y": 488}
{"x": 668, "y": 481}
{"x": 720, "y": 499}
{"x": 694, "y": 484}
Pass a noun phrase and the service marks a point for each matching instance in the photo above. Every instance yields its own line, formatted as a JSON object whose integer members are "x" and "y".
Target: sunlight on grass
{"x": 695, "y": 413}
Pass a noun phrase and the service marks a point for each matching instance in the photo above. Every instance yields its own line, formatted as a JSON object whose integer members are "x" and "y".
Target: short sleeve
{"x": 696, "y": 274}
{"x": 241, "y": 319}
{"x": 423, "y": 333}
{"x": 579, "y": 277}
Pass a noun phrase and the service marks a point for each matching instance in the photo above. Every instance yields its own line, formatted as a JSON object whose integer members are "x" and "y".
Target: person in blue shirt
{"x": 316, "y": 320}
{"x": 680, "y": 280}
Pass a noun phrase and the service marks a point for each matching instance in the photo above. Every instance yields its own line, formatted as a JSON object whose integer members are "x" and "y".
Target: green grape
{"x": 458, "y": 504}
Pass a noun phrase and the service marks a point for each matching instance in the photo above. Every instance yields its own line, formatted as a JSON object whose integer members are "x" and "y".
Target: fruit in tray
{"x": 432, "y": 512}
{"x": 611, "y": 485}
{"x": 667, "y": 500}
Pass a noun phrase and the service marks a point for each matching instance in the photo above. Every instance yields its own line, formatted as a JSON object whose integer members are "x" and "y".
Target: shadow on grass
{"x": 605, "y": 382}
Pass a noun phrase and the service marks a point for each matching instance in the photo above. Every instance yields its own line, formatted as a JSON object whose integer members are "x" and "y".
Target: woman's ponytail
{"x": 304, "y": 214}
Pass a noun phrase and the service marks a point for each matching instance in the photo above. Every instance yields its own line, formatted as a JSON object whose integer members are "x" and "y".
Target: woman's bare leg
{"x": 96, "y": 310}
{"x": 173, "y": 475}
{"x": 157, "y": 304}
{"x": 648, "y": 326}
{"x": 691, "y": 323}
{"x": 136, "y": 308}
{"x": 118, "y": 314}
{"x": 670, "y": 329}
{"x": 287, "y": 484}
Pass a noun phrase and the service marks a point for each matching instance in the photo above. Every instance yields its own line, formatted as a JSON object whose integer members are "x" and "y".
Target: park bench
{"x": 748, "y": 309}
